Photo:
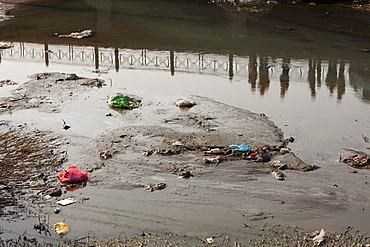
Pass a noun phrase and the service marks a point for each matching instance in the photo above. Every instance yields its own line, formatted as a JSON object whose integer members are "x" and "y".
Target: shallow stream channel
{"x": 258, "y": 75}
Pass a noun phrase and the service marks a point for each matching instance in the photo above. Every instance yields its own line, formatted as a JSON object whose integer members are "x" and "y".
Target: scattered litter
{"x": 122, "y": 101}
{"x": 278, "y": 164}
{"x": 242, "y": 147}
{"x": 48, "y": 51}
{"x": 168, "y": 152}
{"x": 57, "y": 210}
{"x": 320, "y": 238}
{"x": 185, "y": 103}
{"x": 260, "y": 156}
{"x": 153, "y": 187}
{"x": 147, "y": 152}
{"x": 73, "y": 175}
{"x": 61, "y": 228}
{"x": 358, "y": 161}
{"x": 50, "y": 192}
{"x": 215, "y": 160}
{"x": 214, "y": 151}
{"x": 284, "y": 150}
{"x": 106, "y": 154}
{"x": 278, "y": 175}
{"x": 177, "y": 143}
{"x": 65, "y": 125}
{"x": 66, "y": 202}
{"x": 76, "y": 35}
{"x": 185, "y": 174}
{"x": 210, "y": 240}
{"x": 71, "y": 77}
{"x": 2, "y": 122}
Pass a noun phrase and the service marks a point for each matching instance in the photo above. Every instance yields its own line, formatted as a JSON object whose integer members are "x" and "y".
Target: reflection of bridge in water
{"x": 257, "y": 70}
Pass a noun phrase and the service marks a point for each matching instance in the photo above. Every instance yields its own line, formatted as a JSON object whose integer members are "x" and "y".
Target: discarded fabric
{"x": 241, "y": 147}
{"x": 73, "y": 175}
{"x": 61, "y": 228}
{"x": 122, "y": 101}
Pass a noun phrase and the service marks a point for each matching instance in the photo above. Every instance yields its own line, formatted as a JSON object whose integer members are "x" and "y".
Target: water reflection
{"x": 258, "y": 70}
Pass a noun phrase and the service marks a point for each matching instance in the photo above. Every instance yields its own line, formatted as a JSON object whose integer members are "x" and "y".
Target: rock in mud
{"x": 295, "y": 163}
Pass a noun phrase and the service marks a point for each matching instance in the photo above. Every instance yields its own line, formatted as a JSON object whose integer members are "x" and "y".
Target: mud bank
{"x": 160, "y": 169}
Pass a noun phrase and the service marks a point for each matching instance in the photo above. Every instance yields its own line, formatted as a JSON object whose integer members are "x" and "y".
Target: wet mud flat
{"x": 177, "y": 159}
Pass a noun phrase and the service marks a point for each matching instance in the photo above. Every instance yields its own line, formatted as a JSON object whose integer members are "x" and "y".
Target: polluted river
{"x": 272, "y": 89}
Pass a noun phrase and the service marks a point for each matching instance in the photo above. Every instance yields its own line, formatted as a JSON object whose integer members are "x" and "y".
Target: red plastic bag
{"x": 73, "y": 175}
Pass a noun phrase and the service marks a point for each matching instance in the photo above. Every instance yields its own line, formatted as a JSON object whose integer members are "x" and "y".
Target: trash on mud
{"x": 76, "y": 35}
{"x": 241, "y": 147}
{"x": 284, "y": 150}
{"x": 319, "y": 238}
{"x": 210, "y": 240}
{"x": 65, "y": 125}
{"x": 50, "y": 192}
{"x": 215, "y": 160}
{"x": 3, "y": 122}
{"x": 260, "y": 156}
{"x": 106, "y": 154}
{"x": 358, "y": 161}
{"x": 168, "y": 152}
{"x": 147, "y": 152}
{"x": 278, "y": 175}
{"x": 122, "y": 101}
{"x": 177, "y": 143}
{"x": 66, "y": 202}
{"x": 74, "y": 186}
{"x": 185, "y": 103}
{"x": 279, "y": 165}
{"x": 73, "y": 175}
{"x": 214, "y": 151}
{"x": 185, "y": 174}
{"x": 57, "y": 210}
{"x": 153, "y": 187}
{"x": 61, "y": 228}
{"x": 6, "y": 46}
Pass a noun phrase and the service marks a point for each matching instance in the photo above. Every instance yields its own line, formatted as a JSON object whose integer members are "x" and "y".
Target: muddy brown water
{"x": 312, "y": 81}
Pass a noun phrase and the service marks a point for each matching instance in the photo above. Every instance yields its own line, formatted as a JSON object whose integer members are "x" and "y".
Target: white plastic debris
{"x": 66, "y": 202}
{"x": 319, "y": 238}
{"x": 210, "y": 240}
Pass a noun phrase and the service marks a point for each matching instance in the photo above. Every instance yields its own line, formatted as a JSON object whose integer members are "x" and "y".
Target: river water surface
{"x": 314, "y": 83}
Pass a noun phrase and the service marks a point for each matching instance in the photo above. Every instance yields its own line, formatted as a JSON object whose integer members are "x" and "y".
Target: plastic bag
{"x": 61, "y": 228}
{"x": 122, "y": 101}
{"x": 73, "y": 175}
{"x": 242, "y": 147}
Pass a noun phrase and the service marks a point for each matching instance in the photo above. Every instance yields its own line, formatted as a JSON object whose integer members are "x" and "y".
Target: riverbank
{"x": 149, "y": 167}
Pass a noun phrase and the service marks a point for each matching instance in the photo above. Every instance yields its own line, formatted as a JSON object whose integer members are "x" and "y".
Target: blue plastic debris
{"x": 4, "y": 122}
{"x": 241, "y": 147}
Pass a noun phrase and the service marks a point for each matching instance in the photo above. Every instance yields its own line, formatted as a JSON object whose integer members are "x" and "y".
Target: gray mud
{"x": 168, "y": 169}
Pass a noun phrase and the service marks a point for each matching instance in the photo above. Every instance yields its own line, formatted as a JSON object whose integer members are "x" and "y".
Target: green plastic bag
{"x": 122, "y": 101}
